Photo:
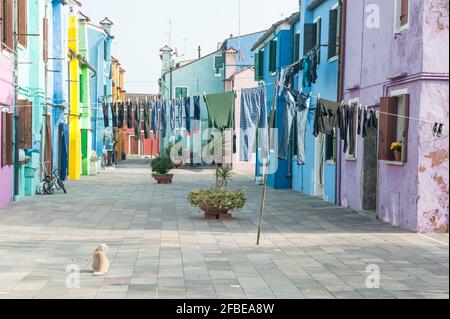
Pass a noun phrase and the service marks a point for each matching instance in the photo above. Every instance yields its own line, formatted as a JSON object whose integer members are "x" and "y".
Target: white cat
{"x": 100, "y": 263}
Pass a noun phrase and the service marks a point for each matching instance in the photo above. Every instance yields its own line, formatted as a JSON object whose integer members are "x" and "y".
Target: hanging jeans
{"x": 253, "y": 116}
{"x": 179, "y": 105}
{"x": 114, "y": 115}
{"x": 163, "y": 122}
{"x": 129, "y": 115}
{"x": 172, "y": 115}
{"x": 105, "y": 115}
{"x": 296, "y": 107}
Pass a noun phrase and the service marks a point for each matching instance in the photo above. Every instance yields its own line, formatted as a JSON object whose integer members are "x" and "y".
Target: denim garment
{"x": 163, "y": 119}
{"x": 286, "y": 136}
{"x": 187, "y": 112}
{"x": 179, "y": 105}
{"x": 172, "y": 114}
{"x": 253, "y": 116}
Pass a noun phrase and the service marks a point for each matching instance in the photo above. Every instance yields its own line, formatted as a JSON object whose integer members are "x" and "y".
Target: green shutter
{"x": 310, "y": 37}
{"x": 218, "y": 62}
{"x": 256, "y": 66}
{"x": 273, "y": 56}
{"x": 261, "y": 64}
{"x": 332, "y": 34}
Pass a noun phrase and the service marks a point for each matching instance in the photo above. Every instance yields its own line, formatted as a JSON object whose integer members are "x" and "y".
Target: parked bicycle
{"x": 53, "y": 182}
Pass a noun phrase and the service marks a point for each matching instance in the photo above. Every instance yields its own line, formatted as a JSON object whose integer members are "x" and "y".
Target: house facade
{"x": 6, "y": 103}
{"x": 393, "y": 63}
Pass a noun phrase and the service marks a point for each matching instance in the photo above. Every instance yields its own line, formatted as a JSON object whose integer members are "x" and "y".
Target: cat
{"x": 100, "y": 263}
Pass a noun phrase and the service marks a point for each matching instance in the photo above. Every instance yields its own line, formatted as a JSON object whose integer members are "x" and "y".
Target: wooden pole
{"x": 267, "y": 162}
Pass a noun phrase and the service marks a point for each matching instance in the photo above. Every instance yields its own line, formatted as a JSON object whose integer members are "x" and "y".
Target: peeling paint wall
{"x": 413, "y": 196}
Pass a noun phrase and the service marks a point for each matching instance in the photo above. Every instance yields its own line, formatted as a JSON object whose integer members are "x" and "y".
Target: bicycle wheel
{"x": 48, "y": 188}
{"x": 62, "y": 186}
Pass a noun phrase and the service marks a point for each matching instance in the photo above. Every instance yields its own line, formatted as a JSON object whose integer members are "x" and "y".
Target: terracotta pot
{"x": 398, "y": 156}
{"x": 163, "y": 179}
{"x": 216, "y": 213}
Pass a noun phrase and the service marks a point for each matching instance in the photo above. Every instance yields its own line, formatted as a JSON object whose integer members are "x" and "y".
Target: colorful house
{"x": 60, "y": 87}
{"x": 272, "y": 52}
{"x": 6, "y": 108}
{"x": 34, "y": 133}
{"x": 118, "y": 96}
{"x": 394, "y": 61}
{"x": 99, "y": 39}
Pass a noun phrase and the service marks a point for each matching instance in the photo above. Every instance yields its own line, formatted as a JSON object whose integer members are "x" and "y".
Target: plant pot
{"x": 163, "y": 179}
{"x": 216, "y": 213}
{"x": 398, "y": 156}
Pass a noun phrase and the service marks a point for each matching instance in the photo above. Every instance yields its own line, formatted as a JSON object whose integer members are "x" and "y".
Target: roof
{"x": 84, "y": 17}
{"x": 76, "y": 2}
{"x": 193, "y": 61}
{"x": 290, "y": 20}
{"x": 239, "y": 72}
{"x": 106, "y": 21}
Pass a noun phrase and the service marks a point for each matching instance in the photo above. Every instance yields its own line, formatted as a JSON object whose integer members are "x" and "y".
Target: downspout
{"x": 341, "y": 98}
{"x": 16, "y": 97}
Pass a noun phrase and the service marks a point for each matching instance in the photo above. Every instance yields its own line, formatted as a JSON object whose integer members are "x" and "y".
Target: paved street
{"x": 161, "y": 247}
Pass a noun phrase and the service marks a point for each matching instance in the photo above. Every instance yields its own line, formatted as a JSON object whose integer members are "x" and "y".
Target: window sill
{"x": 395, "y": 163}
{"x": 333, "y": 59}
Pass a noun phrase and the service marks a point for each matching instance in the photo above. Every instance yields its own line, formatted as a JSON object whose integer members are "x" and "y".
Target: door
{"x": 370, "y": 176}
{"x": 319, "y": 167}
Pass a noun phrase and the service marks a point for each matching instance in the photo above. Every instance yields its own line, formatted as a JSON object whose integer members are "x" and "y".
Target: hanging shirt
{"x": 326, "y": 119}
{"x": 221, "y": 110}
{"x": 105, "y": 114}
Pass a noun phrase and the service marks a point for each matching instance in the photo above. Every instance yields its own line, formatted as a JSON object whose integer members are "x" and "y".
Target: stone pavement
{"x": 160, "y": 247}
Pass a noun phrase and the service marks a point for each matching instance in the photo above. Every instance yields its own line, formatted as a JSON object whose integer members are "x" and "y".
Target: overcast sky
{"x": 141, "y": 28}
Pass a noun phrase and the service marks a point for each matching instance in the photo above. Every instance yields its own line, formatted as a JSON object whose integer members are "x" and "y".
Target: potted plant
{"x": 396, "y": 147}
{"x": 94, "y": 160}
{"x": 161, "y": 166}
{"x": 218, "y": 201}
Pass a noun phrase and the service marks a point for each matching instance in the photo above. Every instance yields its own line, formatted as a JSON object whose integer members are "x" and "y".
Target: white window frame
{"x": 214, "y": 66}
{"x": 354, "y": 157}
{"x": 397, "y": 12}
{"x": 180, "y": 87}
{"x": 394, "y": 93}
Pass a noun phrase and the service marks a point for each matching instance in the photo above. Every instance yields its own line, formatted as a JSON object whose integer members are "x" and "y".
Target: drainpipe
{"x": 341, "y": 98}
{"x": 16, "y": 97}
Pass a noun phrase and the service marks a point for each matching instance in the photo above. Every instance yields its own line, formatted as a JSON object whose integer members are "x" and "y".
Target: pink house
{"x": 6, "y": 122}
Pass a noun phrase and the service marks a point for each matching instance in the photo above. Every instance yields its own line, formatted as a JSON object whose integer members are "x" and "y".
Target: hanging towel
{"x": 187, "y": 112}
{"x": 105, "y": 115}
{"x": 137, "y": 121}
{"x": 253, "y": 116}
{"x": 129, "y": 115}
{"x": 221, "y": 110}
{"x": 147, "y": 120}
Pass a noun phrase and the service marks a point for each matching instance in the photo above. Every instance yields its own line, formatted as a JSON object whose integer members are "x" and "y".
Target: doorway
{"x": 370, "y": 171}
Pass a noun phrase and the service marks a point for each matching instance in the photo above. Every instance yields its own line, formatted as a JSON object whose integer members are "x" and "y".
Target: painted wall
{"x": 413, "y": 196}
{"x": 6, "y": 97}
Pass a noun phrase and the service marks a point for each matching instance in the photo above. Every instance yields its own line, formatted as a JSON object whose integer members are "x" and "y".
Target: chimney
{"x": 199, "y": 52}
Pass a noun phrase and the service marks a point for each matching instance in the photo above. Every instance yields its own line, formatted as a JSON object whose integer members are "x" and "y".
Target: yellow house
{"x": 118, "y": 95}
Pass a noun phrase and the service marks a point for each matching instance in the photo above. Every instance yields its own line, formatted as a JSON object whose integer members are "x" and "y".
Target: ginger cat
{"x": 100, "y": 264}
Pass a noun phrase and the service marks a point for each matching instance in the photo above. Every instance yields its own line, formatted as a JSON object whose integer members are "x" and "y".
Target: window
{"x": 273, "y": 56}
{"x": 334, "y": 30}
{"x": 312, "y": 37}
{"x": 181, "y": 92}
{"x": 22, "y": 17}
{"x": 6, "y": 151}
{"x": 297, "y": 47}
{"x": 393, "y": 125}
{"x": 25, "y": 113}
{"x": 352, "y": 157}
{"x": 330, "y": 148}
{"x": 401, "y": 15}
{"x": 259, "y": 65}
{"x": 218, "y": 63}
{"x": 6, "y": 22}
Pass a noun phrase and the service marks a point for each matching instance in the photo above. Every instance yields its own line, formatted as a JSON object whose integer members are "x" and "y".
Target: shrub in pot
{"x": 161, "y": 166}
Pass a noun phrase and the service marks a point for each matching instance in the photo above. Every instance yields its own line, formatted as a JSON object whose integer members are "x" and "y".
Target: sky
{"x": 141, "y": 28}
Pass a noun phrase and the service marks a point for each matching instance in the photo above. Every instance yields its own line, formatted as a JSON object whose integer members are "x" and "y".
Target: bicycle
{"x": 52, "y": 182}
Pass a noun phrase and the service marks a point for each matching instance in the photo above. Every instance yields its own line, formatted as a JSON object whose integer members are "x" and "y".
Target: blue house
{"x": 272, "y": 52}
{"x": 60, "y": 87}
{"x": 320, "y": 28}
{"x": 99, "y": 39}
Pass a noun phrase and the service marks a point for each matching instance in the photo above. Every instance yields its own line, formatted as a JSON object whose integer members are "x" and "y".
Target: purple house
{"x": 397, "y": 62}
{"x": 6, "y": 122}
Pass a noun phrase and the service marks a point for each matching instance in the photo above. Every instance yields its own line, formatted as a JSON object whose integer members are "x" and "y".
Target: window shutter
{"x": 387, "y": 127}
{"x": 297, "y": 47}
{"x": 406, "y": 126}
{"x": 273, "y": 56}
{"x": 310, "y": 36}
{"x": 404, "y": 12}
{"x": 332, "y": 34}
{"x": 7, "y": 20}
{"x": 261, "y": 65}
{"x": 22, "y": 7}
{"x": 218, "y": 63}
{"x": 318, "y": 39}
{"x": 3, "y": 119}
{"x": 25, "y": 124}
{"x": 256, "y": 66}
{"x": 2, "y": 21}
{"x": 45, "y": 39}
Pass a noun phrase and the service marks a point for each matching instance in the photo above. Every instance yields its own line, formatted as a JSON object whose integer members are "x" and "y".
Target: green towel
{"x": 221, "y": 110}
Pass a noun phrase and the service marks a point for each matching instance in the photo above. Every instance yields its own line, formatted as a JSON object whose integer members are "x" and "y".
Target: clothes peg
{"x": 435, "y": 128}
{"x": 440, "y": 130}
